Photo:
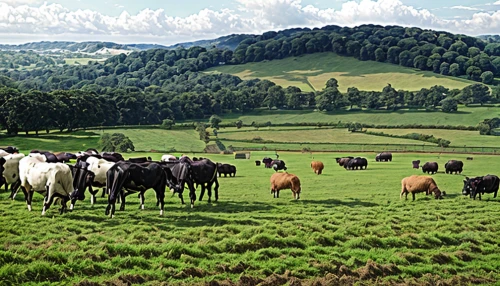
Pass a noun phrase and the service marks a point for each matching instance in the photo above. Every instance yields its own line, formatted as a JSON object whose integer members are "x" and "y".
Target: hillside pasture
{"x": 467, "y": 116}
{"x": 311, "y": 72}
{"x": 82, "y": 61}
{"x": 348, "y": 227}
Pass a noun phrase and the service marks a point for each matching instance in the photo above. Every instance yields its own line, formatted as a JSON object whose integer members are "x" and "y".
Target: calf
{"x": 281, "y": 181}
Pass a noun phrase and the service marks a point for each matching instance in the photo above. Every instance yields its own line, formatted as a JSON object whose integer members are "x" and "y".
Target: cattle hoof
{"x": 161, "y": 212}
{"x": 43, "y": 212}
{"x": 192, "y": 206}
{"x": 142, "y": 207}
{"x": 71, "y": 207}
{"x": 29, "y": 208}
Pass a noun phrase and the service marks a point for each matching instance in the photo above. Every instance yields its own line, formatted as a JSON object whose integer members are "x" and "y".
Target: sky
{"x": 168, "y": 22}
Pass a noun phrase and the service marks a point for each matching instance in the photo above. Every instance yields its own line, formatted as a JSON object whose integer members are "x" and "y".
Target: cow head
{"x": 467, "y": 188}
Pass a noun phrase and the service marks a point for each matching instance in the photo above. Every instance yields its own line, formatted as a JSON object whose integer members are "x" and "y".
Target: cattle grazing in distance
{"x": 283, "y": 180}
{"x": 419, "y": 184}
{"x": 481, "y": 185}
{"x": 415, "y": 164}
{"x": 257, "y": 163}
{"x": 226, "y": 169}
{"x": 470, "y": 158}
{"x": 317, "y": 167}
{"x": 267, "y": 162}
{"x": 383, "y": 157}
{"x": 454, "y": 166}
{"x": 430, "y": 167}
{"x": 356, "y": 163}
{"x": 278, "y": 165}
{"x": 54, "y": 180}
{"x": 343, "y": 161}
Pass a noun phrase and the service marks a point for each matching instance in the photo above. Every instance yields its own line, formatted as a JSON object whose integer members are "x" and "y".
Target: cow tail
{"x": 113, "y": 184}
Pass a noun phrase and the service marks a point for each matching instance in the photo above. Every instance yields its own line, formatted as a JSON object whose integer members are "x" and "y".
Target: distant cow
{"x": 430, "y": 167}
{"x": 226, "y": 169}
{"x": 281, "y": 181}
{"x": 112, "y": 156}
{"x": 356, "y": 163}
{"x": 278, "y": 165}
{"x": 480, "y": 185}
{"x": 342, "y": 161}
{"x": 419, "y": 184}
{"x": 168, "y": 157}
{"x": 454, "y": 166}
{"x": 267, "y": 162}
{"x": 257, "y": 163}
{"x": 317, "y": 167}
{"x": 416, "y": 164}
{"x": 470, "y": 158}
{"x": 383, "y": 157}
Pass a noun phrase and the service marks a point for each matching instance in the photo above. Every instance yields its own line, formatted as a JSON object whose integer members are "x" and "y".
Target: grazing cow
{"x": 11, "y": 172}
{"x": 470, "y": 158}
{"x": 454, "y": 166}
{"x": 9, "y": 149}
{"x": 278, "y": 165}
{"x": 284, "y": 180}
{"x": 204, "y": 173}
{"x": 136, "y": 178}
{"x": 112, "y": 156}
{"x": 168, "y": 157}
{"x": 317, "y": 167}
{"x": 418, "y": 184}
{"x": 257, "y": 163}
{"x": 430, "y": 167}
{"x": 226, "y": 169}
{"x": 52, "y": 179}
{"x": 480, "y": 185}
{"x": 355, "y": 163}
{"x": 267, "y": 162}
{"x": 416, "y": 164}
{"x": 343, "y": 161}
{"x": 383, "y": 157}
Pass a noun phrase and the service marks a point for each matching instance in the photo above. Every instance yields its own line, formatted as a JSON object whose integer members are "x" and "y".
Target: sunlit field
{"x": 348, "y": 227}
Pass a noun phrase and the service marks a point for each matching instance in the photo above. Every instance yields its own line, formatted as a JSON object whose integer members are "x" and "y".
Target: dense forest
{"x": 147, "y": 87}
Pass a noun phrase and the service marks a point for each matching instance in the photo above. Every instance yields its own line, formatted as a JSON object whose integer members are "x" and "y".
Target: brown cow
{"x": 281, "y": 181}
{"x": 418, "y": 184}
{"x": 317, "y": 167}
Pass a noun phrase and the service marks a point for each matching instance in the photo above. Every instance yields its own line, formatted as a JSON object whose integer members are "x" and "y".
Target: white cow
{"x": 11, "y": 171}
{"x": 99, "y": 167}
{"x": 168, "y": 157}
{"x": 52, "y": 179}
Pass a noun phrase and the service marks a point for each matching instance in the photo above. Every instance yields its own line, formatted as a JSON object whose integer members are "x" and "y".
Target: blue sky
{"x": 168, "y": 22}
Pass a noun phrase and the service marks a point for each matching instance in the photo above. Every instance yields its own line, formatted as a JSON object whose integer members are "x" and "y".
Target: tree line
{"x": 202, "y": 95}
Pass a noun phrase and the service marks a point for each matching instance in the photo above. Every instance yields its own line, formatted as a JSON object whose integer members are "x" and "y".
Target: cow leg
{"x": 216, "y": 190}
{"x": 122, "y": 204}
{"x": 28, "y": 194}
{"x": 413, "y": 195}
{"x": 202, "y": 193}
{"x": 141, "y": 198}
{"x": 47, "y": 202}
{"x": 277, "y": 193}
{"x": 93, "y": 194}
{"x": 160, "y": 196}
{"x": 495, "y": 194}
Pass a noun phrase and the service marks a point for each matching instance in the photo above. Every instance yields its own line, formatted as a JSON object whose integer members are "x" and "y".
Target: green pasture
{"x": 348, "y": 227}
{"x": 311, "y": 72}
{"x": 467, "y": 116}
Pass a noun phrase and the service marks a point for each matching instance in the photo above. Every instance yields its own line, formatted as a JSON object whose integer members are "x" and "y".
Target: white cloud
{"x": 496, "y": 3}
{"x": 21, "y": 2}
{"x": 55, "y": 22}
{"x": 465, "y": 8}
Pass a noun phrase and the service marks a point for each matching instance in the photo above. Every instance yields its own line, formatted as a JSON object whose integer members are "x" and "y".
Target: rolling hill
{"x": 310, "y": 73}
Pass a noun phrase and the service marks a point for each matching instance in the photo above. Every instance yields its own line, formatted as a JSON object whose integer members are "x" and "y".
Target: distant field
{"x": 81, "y": 61}
{"x": 457, "y": 137}
{"x": 468, "y": 116}
{"x": 310, "y": 72}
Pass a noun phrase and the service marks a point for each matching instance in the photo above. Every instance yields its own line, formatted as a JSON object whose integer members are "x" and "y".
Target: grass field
{"x": 348, "y": 227}
{"x": 81, "y": 61}
{"x": 468, "y": 116}
{"x": 311, "y": 72}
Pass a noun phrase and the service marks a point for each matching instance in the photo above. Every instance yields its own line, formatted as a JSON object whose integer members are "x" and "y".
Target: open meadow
{"x": 348, "y": 227}
{"x": 311, "y": 72}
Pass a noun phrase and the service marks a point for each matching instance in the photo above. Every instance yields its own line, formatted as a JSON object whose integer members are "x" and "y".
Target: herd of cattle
{"x": 51, "y": 174}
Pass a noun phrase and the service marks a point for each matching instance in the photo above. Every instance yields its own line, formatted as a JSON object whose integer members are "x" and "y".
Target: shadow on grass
{"x": 333, "y": 202}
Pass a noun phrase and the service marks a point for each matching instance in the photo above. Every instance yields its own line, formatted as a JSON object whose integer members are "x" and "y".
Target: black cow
{"x": 415, "y": 164}
{"x": 355, "y": 163}
{"x": 204, "y": 173}
{"x": 82, "y": 179}
{"x": 136, "y": 178}
{"x": 278, "y": 165}
{"x": 383, "y": 157}
{"x": 65, "y": 157}
{"x": 10, "y": 150}
{"x": 267, "y": 162}
{"x": 112, "y": 156}
{"x": 480, "y": 185}
{"x": 454, "y": 166}
{"x": 226, "y": 169}
{"x": 430, "y": 167}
